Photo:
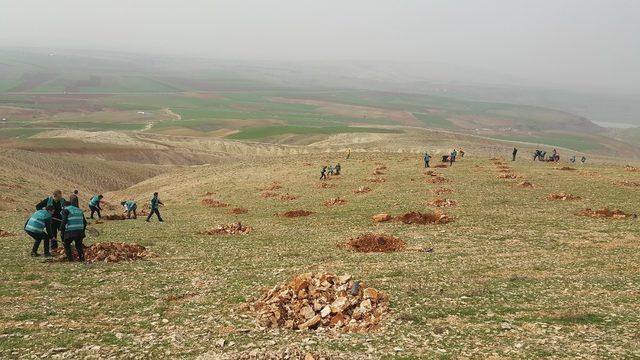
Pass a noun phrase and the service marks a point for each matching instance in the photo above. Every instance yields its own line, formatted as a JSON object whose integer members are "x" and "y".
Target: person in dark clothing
{"x": 72, "y": 228}
{"x": 38, "y": 226}
{"x": 57, "y": 202}
{"x": 323, "y": 173}
{"x": 452, "y": 157}
{"x": 94, "y": 205}
{"x": 338, "y": 168}
{"x": 155, "y": 205}
{"x": 427, "y": 158}
{"x": 515, "y": 152}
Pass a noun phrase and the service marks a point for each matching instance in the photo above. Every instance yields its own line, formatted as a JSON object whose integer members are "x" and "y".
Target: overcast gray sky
{"x": 573, "y": 43}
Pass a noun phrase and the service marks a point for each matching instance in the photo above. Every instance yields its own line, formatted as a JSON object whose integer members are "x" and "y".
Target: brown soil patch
{"x": 324, "y": 185}
{"x": 441, "y": 166}
{"x": 237, "y": 211}
{"x": 288, "y": 197}
{"x": 213, "y": 203}
{"x": 526, "y": 184}
{"x": 443, "y": 203}
{"x": 631, "y": 168}
{"x": 382, "y": 167}
{"x": 375, "y": 243}
{"x": 111, "y": 252}
{"x": 567, "y": 168}
{"x": 606, "y": 213}
{"x": 376, "y": 180}
{"x": 441, "y": 191}
{"x": 563, "y": 197}
{"x": 273, "y": 186}
{"x": 5, "y": 233}
{"x": 114, "y": 217}
{"x": 378, "y": 172}
{"x": 297, "y": 213}
{"x": 228, "y": 229}
{"x": 505, "y": 171}
{"x": 269, "y": 194}
{"x": 415, "y": 217}
{"x": 209, "y": 193}
{"x": 437, "y": 180}
{"x": 628, "y": 183}
{"x": 431, "y": 173}
{"x": 335, "y": 201}
{"x": 321, "y": 301}
{"x": 381, "y": 218}
{"x": 362, "y": 190}
{"x": 508, "y": 176}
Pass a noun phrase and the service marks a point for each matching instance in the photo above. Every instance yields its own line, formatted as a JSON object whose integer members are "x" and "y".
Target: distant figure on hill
{"x": 39, "y": 227}
{"x": 515, "y": 152}
{"x": 57, "y": 202}
{"x": 155, "y": 205}
{"x": 323, "y": 173}
{"x": 427, "y": 158}
{"x": 331, "y": 170}
{"x": 73, "y": 227}
{"x": 452, "y": 157}
{"x": 348, "y": 153}
{"x": 584, "y": 159}
{"x": 94, "y": 206}
{"x": 75, "y": 193}
{"x": 338, "y": 168}
{"x": 461, "y": 153}
{"x": 130, "y": 207}
{"x": 573, "y": 159}
{"x": 555, "y": 155}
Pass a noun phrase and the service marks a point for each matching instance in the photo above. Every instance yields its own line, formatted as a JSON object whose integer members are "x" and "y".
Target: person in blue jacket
{"x": 73, "y": 227}
{"x": 155, "y": 207}
{"x": 38, "y": 226}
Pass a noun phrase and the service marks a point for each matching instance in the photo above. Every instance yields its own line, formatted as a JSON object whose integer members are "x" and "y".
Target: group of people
{"x": 56, "y": 215}
{"x": 541, "y": 155}
{"x": 451, "y": 158}
{"x": 329, "y": 171}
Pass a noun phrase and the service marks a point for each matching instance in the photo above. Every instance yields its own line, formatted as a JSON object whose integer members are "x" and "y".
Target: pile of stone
{"x": 321, "y": 301}
{"x": 228, "y": 229}
{"x": 111, "y": 252}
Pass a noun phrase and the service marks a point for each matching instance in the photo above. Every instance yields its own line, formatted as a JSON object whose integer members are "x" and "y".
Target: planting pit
{"x": 526, "y": 184}
{"x": 335, "y": 201}
{"x": 297, "y": 213}
{"x": 324, "y": 185}
{"x": 114, "y": 217}
{"x": 5, "y": 233}
{"x": 269, "y": 194}
{"x": 606, "y": 213}
{"x": 288, "y": 197}
{"x": 110, "y": 252}
{"x": 443, "y": 203}
{"x": 376, "y": 180}
{"x": 563, "y": 197}
{"x": 213, "y": 203}
{"x": 441, "y": 191}
{"x": 362, "y": 190}
{"x": 508, "y": 176}
{"x": 441, "y": 166}
{"x": 378, "y": 172}
{"x": 567, "y": 168}
{"x": 415, "y": 217}
{"x": 321, "y": 301}
{"x": 238, "y": 211}
{"x": 228, "y": 229}
{"x": 273, "y": 186}
{"x": 628, "y": 183}
{"x": 374, "y": 243}
{"x": 437, "y": 180}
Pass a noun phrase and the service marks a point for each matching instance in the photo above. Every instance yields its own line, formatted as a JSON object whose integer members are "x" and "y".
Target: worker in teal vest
{"x": 155, "y": 205}
{"x": 57, "y": 202}
{"x": 73, "y": 227}
{"x": 94, "y": 205}
{"x": 130, "y": 207}
{"x": 38, "y": 226}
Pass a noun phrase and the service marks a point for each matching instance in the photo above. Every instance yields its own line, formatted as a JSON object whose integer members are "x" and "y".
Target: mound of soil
{"x": 440, "y": 166}
{"x": 526, "y": 184}
{"x": 381, "y": 218}
{"x": 209, "y": 193}
{"x": 324, "y": 185}
{"x": 228, "y": 229}
{"x": 378, "y": 172}
{"x": 443, "y": 203}
{"x": 606, "y": 213}
{"x": 441, "y": 191}
{"x": 213, "y": 203}
{"x": 114, "y": 217}
{"x": 321, "y": 301}
{"x": 362, "y": 190}
{"x": 376, "y": 180}
{"x": 273, "y": 186}
{"x": 5, "y": 233}
{"x": 508, "y": 176}
{"x": 563, "y": 197}
{"x": 437, "y": 180}
{"x": 431, "y": 173}
{"x": 110, "y": 252}
{"x": 567, "y": 168}
{"x": 628, "y": 183}
{"x": 505, "y": 171}
{"x": 297, "y": 213}
{"x": 375, "y": 243}
{"x": 237, "y": 211}
{"x": 381, "y": 167}
{"x": 288, "y": 197}
{"x": 631, "y": 168}
{"x": 335, "y": 201}
{"x": 415, "y": 217}
{"x": 269, "y": 194}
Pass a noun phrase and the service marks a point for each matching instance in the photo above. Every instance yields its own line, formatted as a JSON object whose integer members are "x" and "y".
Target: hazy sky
{"x": 595, "y": 44}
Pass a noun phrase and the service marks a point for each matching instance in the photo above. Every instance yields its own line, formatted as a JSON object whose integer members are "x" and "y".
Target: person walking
{"x": 452, "y": 157}
{"x": 155, "y": 207}
{"x": 323, "y": 173}
{"x": 72, "y": 227}
{"x": 427, "y": 158}
{"x": 515, "y": 152}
